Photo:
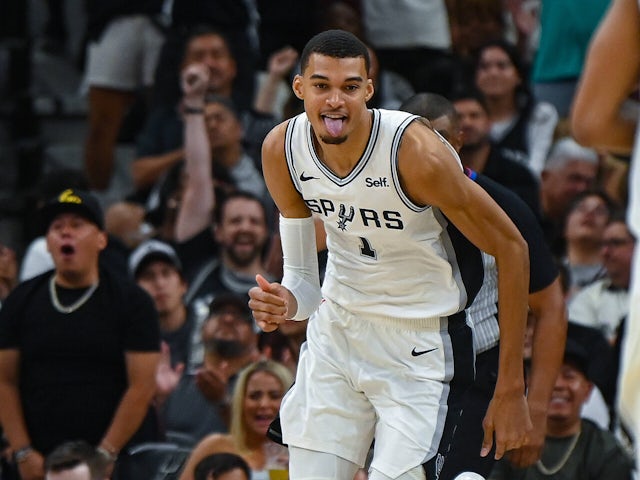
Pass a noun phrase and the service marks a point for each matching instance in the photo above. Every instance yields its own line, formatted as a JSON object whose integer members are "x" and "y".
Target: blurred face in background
{"x": 496, "y": 75}
{"x": 164, "y": 284}
{"x": 474, "y": 122}
{"x": 587, "y": 220}
{"x": 242, "y": 231}
{"x": 617, "y": 252}
{"x": 223, "y": 127}
{"x": 262, "y": 401}
{"x": 570, "y": 392}
{"x": 212, "y": 50}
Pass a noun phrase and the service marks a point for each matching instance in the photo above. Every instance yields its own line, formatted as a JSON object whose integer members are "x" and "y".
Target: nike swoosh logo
{"x": 416, "y": 353}
{"x": 304, "y": 178}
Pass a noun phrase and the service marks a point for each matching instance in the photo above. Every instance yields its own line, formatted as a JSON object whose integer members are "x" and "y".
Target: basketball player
{"x": 388, "y": 349}
{"x": 600, "y": 119}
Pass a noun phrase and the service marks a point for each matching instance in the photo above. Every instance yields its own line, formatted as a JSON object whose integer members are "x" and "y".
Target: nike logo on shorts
{"x": 304, "y": 178}
{"x": 416, "y": 353}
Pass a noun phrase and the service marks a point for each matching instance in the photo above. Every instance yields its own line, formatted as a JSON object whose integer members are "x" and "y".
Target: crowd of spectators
{"x": 214, "y": 77}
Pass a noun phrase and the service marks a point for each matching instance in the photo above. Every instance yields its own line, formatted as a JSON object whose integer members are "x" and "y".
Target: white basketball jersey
{"x": 387, "y": 256}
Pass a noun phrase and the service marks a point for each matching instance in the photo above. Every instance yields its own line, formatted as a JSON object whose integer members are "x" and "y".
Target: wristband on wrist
{"x": 21, "y": 454}
{"x": 189, "y": 110}
{"x": 106, "y": 454}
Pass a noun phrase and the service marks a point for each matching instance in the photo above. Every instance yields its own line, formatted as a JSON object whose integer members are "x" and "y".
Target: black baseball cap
{"x": 80, "y": 202}
{"x": 228, "y": 299}
{"x": 576, "y": 354}
{"x": 153, "y": 250}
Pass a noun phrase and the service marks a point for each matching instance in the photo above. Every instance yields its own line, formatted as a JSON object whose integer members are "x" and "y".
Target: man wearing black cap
{"x": 78, "y": 346}
{"x": 200, "y": 404}
{"x": 575, "y": 447}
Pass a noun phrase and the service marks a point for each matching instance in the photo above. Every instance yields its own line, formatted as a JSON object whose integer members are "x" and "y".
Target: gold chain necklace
{"x": 75, "y": 305}
{"x": 556, "y": 468}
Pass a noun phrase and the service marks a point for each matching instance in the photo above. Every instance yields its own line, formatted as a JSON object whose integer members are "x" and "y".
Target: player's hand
{"x": 270, "y": 304}
{"x": 507, "y": 419}
{"x": 194, "y": 81}
{"x": 531, "y": 451}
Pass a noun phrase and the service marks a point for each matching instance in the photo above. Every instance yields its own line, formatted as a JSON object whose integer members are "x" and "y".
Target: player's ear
{"x": 370, "y": 90}
{"x": 297, "y": 87}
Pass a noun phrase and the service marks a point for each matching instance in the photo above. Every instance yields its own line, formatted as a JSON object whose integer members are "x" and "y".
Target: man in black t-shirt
{"x": 78, "y": 347}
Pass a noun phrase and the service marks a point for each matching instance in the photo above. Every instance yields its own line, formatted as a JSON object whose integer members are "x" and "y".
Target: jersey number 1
{"x": 366, "y": 250}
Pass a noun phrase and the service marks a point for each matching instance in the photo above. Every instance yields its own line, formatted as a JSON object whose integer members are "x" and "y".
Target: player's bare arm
{"x": 272, "y": 303}
{"x": 596, "y": 117}
{"x": 549, "y": 311}
{"x": 430, "y": 177}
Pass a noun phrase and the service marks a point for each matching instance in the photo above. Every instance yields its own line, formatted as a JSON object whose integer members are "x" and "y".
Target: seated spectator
{"x": 256, "y": 400}
{"x": 521, "y": 127}
{"x": 217, "y": 465}
{"x": 480, "y": 154}
{"x": 569, "y": 171}
{"x": 75, "y": 460}
{"x": 240, "y": 237}
{"x": 583, "y": 229}
{"x": 605, "y": 303}
{"x": 575, "y": 447}
{"x": 199, "y": 405}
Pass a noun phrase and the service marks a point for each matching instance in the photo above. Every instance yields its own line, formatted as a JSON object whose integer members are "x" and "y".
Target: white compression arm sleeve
{"x": 301, "y": 276}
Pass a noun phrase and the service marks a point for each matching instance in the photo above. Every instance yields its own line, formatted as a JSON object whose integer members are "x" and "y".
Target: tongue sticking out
{"x": 333, "y": 125}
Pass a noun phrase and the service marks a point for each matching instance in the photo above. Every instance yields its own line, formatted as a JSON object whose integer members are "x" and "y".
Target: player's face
{"x": 335, "y": 92}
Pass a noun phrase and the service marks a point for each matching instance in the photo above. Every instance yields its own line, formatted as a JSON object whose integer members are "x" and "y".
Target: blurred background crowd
{"x": 105, "y": 96}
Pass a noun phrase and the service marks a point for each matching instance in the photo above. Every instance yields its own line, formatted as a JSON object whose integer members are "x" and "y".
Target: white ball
{"x": 469, "y": 476}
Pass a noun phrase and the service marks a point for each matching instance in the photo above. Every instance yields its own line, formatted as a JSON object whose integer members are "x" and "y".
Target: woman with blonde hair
{"x": 255, "y": 403}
